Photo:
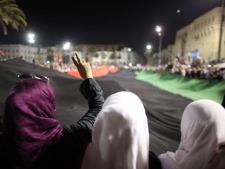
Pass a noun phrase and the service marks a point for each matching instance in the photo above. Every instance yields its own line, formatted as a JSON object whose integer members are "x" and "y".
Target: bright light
{"x": 129, "y": 49}
{"x": 148, "y": 47}
{"x": 158, "y": 29}
{"x": 66, "y": 46}
{"x": 31, "y": 38}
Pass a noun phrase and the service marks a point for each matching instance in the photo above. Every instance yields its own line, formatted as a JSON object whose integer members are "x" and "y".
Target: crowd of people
{"x": 112, "y": 134}
{"x": 194, "y": 70}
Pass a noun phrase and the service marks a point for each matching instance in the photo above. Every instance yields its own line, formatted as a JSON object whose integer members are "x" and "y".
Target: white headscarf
{"x": 202, "y": 129}
{"x": 121, "y": 137}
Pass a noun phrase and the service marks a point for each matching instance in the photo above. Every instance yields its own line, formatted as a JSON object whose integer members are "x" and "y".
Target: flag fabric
{"x": 2, "y": 54}
{"x": 194, "y": 54}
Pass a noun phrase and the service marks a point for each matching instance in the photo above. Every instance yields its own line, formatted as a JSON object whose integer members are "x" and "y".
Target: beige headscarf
{"x": 202, "y": 129}
{"x": 121, "y": 137}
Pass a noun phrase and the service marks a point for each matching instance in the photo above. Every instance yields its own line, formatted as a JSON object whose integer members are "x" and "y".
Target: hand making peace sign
{"x": 83, "y": 67}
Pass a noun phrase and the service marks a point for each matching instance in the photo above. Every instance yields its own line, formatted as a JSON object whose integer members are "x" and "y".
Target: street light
{"x": 66, "y": 47}
{"x": 159, "y": 31}
{"x": 129, "y": 56}
{"x": 148, "y": 54}
{"x": 148, "y": 47}
{"x": 221, "y": 31}
{"x": 31, "y": 38}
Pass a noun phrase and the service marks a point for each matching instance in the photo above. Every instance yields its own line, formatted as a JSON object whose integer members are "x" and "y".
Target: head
{"x": 121, "y": 136}
{"x": 29, "y": 112}
{"x": 202, "y": 129}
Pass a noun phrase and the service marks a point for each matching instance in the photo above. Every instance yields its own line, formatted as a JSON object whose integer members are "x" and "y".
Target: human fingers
{"x": 74, "y": 61}
{"x": 83, "y": 61}
{"x": 78, "y": 58}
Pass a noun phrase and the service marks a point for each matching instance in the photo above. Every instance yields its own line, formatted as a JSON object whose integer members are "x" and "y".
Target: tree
{"x": 10, "y": 14}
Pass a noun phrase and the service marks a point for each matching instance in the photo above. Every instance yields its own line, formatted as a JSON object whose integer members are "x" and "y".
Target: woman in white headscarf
{"x": 121, "y": 137}
{"x": 202, "y": 129}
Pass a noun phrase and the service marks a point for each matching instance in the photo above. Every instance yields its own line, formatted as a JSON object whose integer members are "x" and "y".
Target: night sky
{"x": 131, "y": 23}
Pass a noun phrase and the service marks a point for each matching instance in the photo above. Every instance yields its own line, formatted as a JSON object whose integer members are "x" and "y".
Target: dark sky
{"x": 131, "y": 23}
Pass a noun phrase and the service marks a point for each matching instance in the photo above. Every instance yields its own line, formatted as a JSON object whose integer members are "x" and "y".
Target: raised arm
{"x": 90, "y": 89}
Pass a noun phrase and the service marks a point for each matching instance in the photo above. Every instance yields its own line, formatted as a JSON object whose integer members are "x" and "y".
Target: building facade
{"x": 201, "y": 39}
{"x": 116, "y": 55}
{"x": 15, "y": 51}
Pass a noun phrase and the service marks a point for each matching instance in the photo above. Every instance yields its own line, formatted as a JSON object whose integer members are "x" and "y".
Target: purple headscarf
{"x": 29, "y": 126}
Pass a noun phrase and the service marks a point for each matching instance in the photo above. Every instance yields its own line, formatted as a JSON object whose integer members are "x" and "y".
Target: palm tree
{"x": 10, "y": 14}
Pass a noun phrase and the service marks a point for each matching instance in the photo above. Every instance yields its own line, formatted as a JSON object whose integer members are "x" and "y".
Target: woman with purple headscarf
{"x": 32, "y": 137}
